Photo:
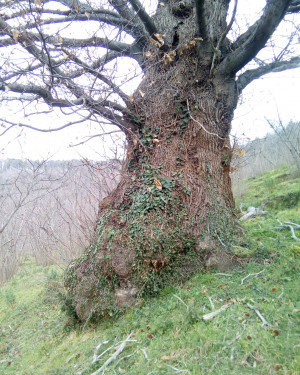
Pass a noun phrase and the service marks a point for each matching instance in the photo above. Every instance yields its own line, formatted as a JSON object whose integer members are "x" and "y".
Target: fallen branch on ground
{"x": 145, "y": 353}
{"x": 217, "y": 312}
{"x": 176, "y": 370}
{"x": 211, "y": 303}
{"x": 265, "y": 323}
{"x": 291, "y": 226}
{"x": 125, "y": 357}
{"x": 179, "y": 299}
{"x": 96, "y": 357}
{"x": 251, "y": 274}
{"x": 252, "y": 212}
{"x": 237, "y": 337}
{"x": 114, "y": 355}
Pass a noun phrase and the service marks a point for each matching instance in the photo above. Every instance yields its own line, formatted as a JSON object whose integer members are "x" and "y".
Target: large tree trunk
{"x": 172, "y": 210}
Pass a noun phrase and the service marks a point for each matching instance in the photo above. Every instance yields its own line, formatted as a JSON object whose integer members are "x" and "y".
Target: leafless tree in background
{"x": 70, "y": 55}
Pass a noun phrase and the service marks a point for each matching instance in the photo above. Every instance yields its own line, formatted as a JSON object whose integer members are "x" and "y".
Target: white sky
{"x": 263, "y": 98}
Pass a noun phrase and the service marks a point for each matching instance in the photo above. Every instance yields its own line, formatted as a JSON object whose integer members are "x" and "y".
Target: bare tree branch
{"x": 40, "y": 92}
{"x": 139, "y": 31}
{"x": 277, "y": 66}
{"x": 294, "y": 7}
{"x": 22, "y": 125}
{"x": 144, "y": 16}
{"x": 201, "y": 22}
{"x": 253, "y": 40}
{"x": 116, "y": 89}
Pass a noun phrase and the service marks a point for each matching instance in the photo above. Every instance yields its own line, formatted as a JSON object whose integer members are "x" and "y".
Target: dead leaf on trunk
{"x": 16, "y": 34}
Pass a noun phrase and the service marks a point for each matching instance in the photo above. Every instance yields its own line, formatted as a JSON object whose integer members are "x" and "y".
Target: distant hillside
{"x": 281, "y": 147}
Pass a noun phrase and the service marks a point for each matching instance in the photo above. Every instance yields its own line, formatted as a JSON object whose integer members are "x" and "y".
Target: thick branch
{"x": 41, "y": 93}
{"x": 294, "y": 7}
{"x": 89, "y": 42}
{"x": 201, "y": 22}
{"x": 130, "y": 16}
{"x": 252, "y": 41}
{"x": 276, "y": 66}
{"x": 60, "y": 12}
{"x": 144, "y": 17}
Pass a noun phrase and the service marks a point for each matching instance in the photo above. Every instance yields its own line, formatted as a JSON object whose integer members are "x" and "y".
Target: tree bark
{"x": 172, "y": 210}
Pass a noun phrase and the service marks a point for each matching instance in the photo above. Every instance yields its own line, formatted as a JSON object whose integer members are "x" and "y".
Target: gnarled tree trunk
{"x": 172, "y": 210}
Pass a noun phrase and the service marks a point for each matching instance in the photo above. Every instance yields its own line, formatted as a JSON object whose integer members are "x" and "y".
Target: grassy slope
{"x": 170, "y": 329}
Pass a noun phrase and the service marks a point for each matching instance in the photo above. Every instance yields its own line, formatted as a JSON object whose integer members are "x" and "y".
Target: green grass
{"x": 169, "y": 331}
{"x": 276, "y": 190}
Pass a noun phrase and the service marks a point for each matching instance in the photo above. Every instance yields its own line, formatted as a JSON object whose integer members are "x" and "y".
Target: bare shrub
{"x": 49, "y": 209}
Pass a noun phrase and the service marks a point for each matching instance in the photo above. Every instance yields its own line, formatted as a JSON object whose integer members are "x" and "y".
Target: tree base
{"x": 147, "y": 238}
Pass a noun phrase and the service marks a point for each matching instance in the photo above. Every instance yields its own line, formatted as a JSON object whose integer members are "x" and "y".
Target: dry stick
{"x": 293, "y": 233}
{"x": 237, "y": 337}
{"x": 211, "y": 303}
{"x": 126, "y": 356}
{"x": 96, "y": 357}
{"x": 177, "y": 370}
{"x": 251, "y": 274}
{"x": 145, "y": 353}
{"x": 265, "y": 323}
{"x": 114, "y": 356}
{"x": 215, "y": 313}
{"x": 297, "y": 226}
{"x": 231, "y": 355}
{"x": 291, "y": 228}
{"x": 179, "y": 299}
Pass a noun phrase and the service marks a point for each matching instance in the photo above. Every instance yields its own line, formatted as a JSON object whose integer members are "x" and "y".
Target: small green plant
{"x": 10, "y": 298}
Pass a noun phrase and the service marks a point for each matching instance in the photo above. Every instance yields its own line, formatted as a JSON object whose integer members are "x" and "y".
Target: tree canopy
{"x": 74, "y": 54}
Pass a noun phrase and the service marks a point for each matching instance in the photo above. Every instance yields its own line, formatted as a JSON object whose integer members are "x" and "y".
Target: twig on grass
{"x": 231, "y": 355}
{"x": 211, "y": 303}
{"x": 177, "y": 370}
{"x": 251, "y": 274}
{"x": 125, "y": 357}
{"x": 264, "y": 322}
{"x": 179, "y": 299}
{"x": 114, "y": 355}
{"x": 96, "y": 357}
{"x": 145, "y": 354}
{"x": 237, "y": 337}
{"x": 291, "y": 226}
{"x": 217, "y": 312}
{"x": 293, "y": 233}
